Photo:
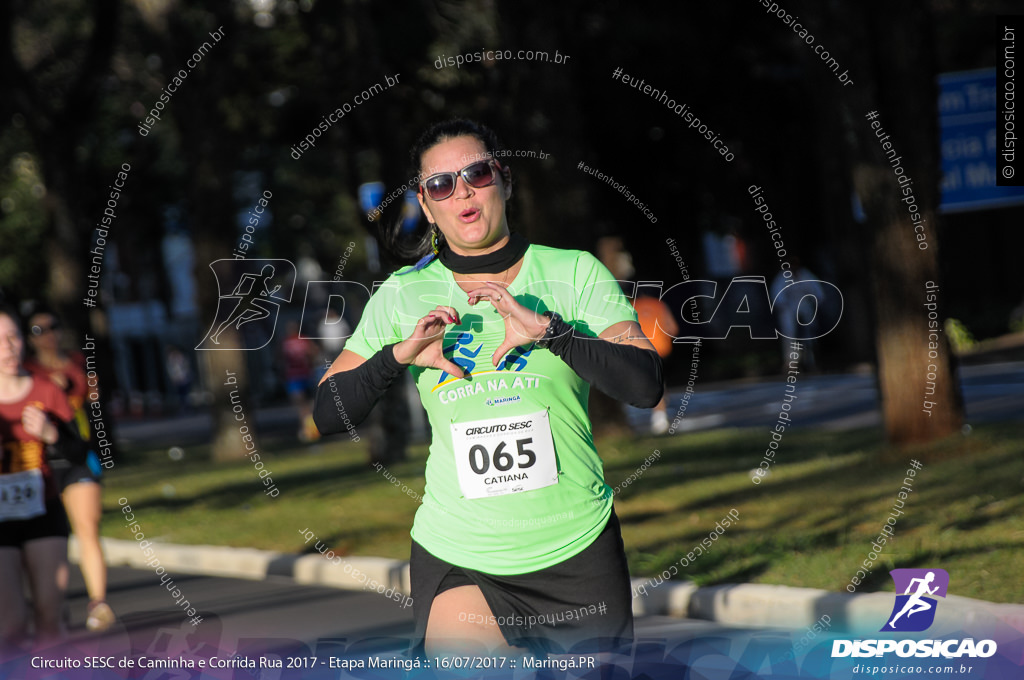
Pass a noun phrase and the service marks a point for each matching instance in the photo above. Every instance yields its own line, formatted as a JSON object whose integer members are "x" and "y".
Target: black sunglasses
{"x": 477, "y": 175}
{"x": 40, "y": 329}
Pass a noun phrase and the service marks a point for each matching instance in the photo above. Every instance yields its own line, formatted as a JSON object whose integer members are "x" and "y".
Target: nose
{"x": 467, "y": 190}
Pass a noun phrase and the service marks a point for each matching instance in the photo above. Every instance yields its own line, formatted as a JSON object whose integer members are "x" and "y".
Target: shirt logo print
{"x": 461, "y": 355}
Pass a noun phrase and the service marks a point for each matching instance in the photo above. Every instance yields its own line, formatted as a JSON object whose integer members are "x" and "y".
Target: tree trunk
{"x": 891, "y": 48}
{"x": 210, "y": 151}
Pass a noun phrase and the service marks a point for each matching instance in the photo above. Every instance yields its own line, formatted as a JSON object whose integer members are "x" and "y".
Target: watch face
{"x": 544, "y": 342}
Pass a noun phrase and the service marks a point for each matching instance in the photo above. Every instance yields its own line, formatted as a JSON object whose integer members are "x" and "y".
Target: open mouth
{"x": 469, "y": 214}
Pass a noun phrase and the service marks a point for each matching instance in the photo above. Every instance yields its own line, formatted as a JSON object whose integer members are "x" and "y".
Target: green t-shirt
{"x": 502, "y": 528}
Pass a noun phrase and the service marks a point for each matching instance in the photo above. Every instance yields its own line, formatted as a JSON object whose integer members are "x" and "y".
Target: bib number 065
{"x": 499, "y": 456}
{"x": 480, "y": 460}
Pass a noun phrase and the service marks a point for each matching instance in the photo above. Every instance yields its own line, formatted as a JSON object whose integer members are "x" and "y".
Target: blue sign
{"x": 967, "y": 123}
{"x": 372, "y": 193}
{"x": 411, "y": 211}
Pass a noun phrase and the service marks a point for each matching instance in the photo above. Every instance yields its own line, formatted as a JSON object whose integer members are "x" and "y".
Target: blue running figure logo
{"x": 916, "y": 585}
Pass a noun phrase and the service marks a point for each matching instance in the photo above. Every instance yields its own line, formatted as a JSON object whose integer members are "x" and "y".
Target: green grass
{"x": 810, "y": 523}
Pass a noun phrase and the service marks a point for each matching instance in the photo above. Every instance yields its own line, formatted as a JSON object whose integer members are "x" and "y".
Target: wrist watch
{"x": 550, "y": 332}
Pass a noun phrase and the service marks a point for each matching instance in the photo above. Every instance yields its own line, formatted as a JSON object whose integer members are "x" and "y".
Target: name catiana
{"x": 505, "y": 478}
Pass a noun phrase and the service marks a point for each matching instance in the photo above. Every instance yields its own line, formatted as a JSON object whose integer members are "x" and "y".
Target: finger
{"x": 450, "y": 368}
{"x": 500, "y": 353}
{"x": 432, "y": 326}
{"x": 430, "y": 318}
{"x": 442, "y": 315}
{"x": 452, "y": 313}
{"x": 31, "y": 423}
{"x": 492, "y": 292}
{"x": 487, "y": 289}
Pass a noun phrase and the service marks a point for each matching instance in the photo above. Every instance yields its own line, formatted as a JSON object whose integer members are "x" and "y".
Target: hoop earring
{"x": 433, "y": 238}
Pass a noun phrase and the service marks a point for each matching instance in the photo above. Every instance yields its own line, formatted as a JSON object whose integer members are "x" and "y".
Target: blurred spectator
{"x": 301, "y": 361}
{"x": 613, "y": 255}
{"x": 790, "y": 309}
{"x": 180, "y": 374}
{"x": 333, "y": 334}
{"x": 725, "y": 255}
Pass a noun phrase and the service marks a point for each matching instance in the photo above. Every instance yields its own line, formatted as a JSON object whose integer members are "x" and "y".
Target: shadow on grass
{"x": 883, "y": 481}
{"x": 342, "y": 542}
{"x": 338, "y": 478}
{"x": 745, "y": 574}
{"x": 736, "y": 498}
{"x": 709, "y": 569}
{"x": 701, "y": 460}
{"x": 879, "y": 580}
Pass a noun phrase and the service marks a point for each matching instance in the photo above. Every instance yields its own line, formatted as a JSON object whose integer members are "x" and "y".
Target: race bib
{"x": 500, "y": 456}
{"x": 21, "y": 495}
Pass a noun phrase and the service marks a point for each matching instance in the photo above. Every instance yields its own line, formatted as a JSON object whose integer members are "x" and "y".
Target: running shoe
{"x": 659, "y": 422}
{"x": 99, "y": 616}
{"x": 308, "y": 432}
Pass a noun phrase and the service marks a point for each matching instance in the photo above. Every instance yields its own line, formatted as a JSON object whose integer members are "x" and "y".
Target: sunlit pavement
{"x": 992, "y": 393}
{"x": 275, "y": 613}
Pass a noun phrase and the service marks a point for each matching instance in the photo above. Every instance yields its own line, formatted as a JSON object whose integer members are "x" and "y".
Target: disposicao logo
{"x": 914, "y": 611}
{"x": 251, "y": 300}
{"x": 916, "y": 585}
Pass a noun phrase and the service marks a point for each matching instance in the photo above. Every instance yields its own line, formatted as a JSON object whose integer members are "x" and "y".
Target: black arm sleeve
{"x": 623, "y": 372}
{"x": 69, "y": 446}
{"x": 346, "y": 398}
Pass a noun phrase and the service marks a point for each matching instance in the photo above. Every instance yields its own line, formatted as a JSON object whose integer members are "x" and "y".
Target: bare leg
{"x": 450, "y": 630}
{"x": 12, "y": 600}
{"x": 46, "y": 561}
{"x": 84, "y": 505}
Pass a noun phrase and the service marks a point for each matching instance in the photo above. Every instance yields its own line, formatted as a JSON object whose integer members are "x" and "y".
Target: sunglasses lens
{"x": 479, "y": 175}
{"x": 439, "y": 187}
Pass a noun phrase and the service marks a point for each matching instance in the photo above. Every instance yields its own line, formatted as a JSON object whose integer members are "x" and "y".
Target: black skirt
{"x": 583, "y": 604}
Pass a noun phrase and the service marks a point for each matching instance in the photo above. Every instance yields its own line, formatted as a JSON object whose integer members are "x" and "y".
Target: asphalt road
{"x": 272, "y": 618}
{"x": 276, "y": 608}
{"x": 277, "y": 622}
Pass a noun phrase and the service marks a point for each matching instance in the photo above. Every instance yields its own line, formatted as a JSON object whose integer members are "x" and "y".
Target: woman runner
{"x": 516, "y": 543}
{"x": 79, "y": 485}
{"x": 35, "y": 426}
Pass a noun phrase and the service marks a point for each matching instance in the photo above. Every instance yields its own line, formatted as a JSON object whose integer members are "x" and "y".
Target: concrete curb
{"x": 346, "y": 573}
{"x": 753, "y": 605}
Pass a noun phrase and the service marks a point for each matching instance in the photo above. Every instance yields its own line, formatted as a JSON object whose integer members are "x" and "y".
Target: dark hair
{"x": 30, "y": 309}
{"x": 450, "y": 129}
{"x": 431, "y": 137}
{"x": 9, "y": 310}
